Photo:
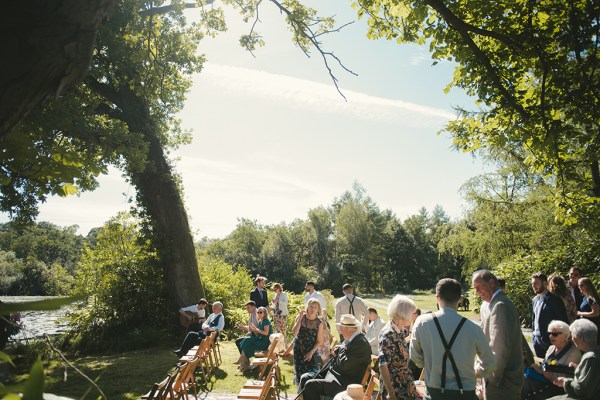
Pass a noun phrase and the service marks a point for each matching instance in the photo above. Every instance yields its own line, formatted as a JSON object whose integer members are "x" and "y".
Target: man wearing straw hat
{"x": 348, "y": 366}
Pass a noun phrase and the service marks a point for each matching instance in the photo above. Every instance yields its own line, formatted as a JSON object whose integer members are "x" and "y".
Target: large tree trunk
{"x": 159, "y": 196}
{"x": 46, "y": 46}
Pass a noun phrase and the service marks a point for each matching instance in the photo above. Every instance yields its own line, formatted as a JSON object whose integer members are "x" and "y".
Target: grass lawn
{"x": 129, "y": 375}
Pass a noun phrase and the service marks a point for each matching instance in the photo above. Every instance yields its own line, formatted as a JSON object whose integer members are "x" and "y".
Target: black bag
{"x": 448, "y": 394}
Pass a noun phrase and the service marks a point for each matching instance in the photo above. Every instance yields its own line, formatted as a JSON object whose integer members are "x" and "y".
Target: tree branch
{"x": 173, "y": 7}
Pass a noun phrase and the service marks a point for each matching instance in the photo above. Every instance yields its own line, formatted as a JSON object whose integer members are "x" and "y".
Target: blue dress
{"x": 257, "y": 342}
{"x": 586, "y": 306}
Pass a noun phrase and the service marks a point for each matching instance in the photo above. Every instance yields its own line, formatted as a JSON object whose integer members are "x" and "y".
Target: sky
{"x": 272, "y": 138}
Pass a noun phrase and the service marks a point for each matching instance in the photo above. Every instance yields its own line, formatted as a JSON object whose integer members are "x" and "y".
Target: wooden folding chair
{"x": 215, "y": 348}
{"x": 373, "y": 382}
{"x": 365, "y": 378}
{"x": 268, "y": 390}
{"x": 186, "y": 380}
{"x": 259, "y": 384}
{"x": 163, "y": 389}
{"x": 265, "y": 362}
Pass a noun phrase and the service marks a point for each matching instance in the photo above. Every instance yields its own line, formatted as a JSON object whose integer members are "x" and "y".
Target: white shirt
{"x": 318, "y": 296}
{"x": 211, "y": 318}
{"x": 372, "y": 334}
{"x": 359, "y": 308}
{"x": 194, "y": 309}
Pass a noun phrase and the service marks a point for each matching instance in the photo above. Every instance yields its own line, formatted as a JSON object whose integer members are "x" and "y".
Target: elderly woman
{"x": 586, "y": 383}
{"x": 308, "y": 331}
{"x": 398, "y": 382}
{"x": 562, "y": 351}
{"x": 258, "y": 341}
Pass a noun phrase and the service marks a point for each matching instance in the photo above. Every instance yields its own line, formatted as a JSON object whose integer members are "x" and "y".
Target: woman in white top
{"x": 280, "y": 310}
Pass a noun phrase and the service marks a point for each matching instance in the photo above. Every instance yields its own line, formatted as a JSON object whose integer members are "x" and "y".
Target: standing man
{"x": 502, "y": 328}
{"x": 259, "y": 294}
{"x": 351, "y": 304}
{"x": 453, "y": 370}
{"x": 252, "y": 320}
{"x": 348, "y": 366}
{"x": 375, "y": 326}
{"x": 547, "y": 307}
{"x": 574, "y": 275}
{"x": 313, "y": 294}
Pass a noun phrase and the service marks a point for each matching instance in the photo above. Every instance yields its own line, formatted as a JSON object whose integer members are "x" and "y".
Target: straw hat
{"x": 348, "y": 320}
{"x": 354, "y": 391}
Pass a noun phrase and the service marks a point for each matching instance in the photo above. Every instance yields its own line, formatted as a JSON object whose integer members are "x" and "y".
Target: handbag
{"x": 443, "y": 393}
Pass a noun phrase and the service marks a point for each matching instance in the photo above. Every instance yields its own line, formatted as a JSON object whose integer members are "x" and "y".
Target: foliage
{"x": 122, "y": 288}
{"x": 532, "y": 66}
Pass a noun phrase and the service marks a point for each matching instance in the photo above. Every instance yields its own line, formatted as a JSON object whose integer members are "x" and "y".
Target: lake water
{"x": 37, "y": 323}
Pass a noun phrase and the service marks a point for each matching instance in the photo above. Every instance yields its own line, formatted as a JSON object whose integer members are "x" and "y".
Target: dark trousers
{"x": 315, "y": 388}
{"x": 191, "y": 339}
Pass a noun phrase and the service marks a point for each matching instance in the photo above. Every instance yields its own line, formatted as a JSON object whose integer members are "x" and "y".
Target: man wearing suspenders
{"x": 351, "y": 304}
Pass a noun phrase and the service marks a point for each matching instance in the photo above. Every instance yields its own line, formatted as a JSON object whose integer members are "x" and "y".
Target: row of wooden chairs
{"x": 266, "y": 387}
{"x": 201, "y": 359}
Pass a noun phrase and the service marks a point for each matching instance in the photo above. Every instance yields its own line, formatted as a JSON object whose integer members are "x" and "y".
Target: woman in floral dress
{"x": 308, "y": 332}
{"x": 398, "y": 382}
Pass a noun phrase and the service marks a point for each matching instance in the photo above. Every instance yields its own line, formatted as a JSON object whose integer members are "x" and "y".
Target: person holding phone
{"x": 308, "y": 331}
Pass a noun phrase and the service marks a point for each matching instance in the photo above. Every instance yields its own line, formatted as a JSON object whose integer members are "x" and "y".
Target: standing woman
{"x": 398, "y": 382}
{"x": 558, "y": 286}
{"x": 258, "y": 341}
{"x": 308, "y": 331}
{"x": 590, "y": 308}
{"x": 280, "y": 310}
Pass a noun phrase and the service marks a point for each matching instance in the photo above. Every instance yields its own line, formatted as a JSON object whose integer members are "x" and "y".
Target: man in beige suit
{"x": 501, "y": 325}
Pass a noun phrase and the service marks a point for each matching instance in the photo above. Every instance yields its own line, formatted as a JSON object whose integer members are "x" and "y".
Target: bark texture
{"x": 46, "y": 47}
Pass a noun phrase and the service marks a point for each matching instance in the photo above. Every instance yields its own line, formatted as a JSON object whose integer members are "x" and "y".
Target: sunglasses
{"x": 260, "y": 312}
{"x": 555, "y": 334}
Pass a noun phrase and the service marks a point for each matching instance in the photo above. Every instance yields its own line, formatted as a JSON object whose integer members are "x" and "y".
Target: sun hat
{"x": 348, "y": 320}
{"x": 354, "y": 391}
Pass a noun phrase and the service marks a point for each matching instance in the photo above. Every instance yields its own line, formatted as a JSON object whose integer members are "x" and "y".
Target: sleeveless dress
{"x": 586, "y": 306}
{"x": 303, "y": 343}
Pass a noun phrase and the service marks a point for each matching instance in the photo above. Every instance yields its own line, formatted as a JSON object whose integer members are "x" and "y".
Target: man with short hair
{"x": 252, "y": 320}
{"x": 259, "y": 294}
{"x": 502, "y": 328}
{"x": 214, "y": 322}
{"x": 375, "y": 326}
{"x": 453, "y": 370}
{"x": 313, "y": 294}
{"x": 351, "y": 304}
{"x": 195, "y": 315}
{"x": 547, "y": 307}
{"x": 574, "y": 275}
{"x": 348, "y": 366}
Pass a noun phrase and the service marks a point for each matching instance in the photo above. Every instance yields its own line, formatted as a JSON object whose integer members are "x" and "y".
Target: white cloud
{"x": 420, "y": 58}
{"x": 301, "y": 93}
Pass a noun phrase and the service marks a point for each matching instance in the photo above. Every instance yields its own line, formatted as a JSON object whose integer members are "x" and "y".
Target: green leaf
{"x": 34, "y": 387}
{"x": 69, "y": 189}
{"x": 41, "y": 305}
{"x": 5, "y": 357}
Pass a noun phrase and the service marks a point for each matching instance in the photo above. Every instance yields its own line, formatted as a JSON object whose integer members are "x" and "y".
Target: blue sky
{"x": 273, "y": 138}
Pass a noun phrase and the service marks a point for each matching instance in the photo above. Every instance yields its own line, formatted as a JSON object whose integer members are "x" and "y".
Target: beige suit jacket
{"x": 501, "y": 326}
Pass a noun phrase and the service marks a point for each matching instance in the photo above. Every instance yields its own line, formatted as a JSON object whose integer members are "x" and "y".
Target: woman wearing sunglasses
{"x": 562, "y": 352}
{"x": 258, "y": 341}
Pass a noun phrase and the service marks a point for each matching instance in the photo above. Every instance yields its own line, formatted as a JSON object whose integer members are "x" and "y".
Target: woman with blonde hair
{"x": 308, "y": 331}
{"x": 259, "y": 339}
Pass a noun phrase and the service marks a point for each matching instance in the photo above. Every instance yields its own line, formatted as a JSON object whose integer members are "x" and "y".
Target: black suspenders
{"x": 448, "y": 353}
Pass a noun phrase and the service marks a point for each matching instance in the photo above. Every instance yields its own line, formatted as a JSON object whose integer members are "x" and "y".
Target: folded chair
{"x": 259, "y": 384}
{"x": 267, "y": 391}
{"x": 163, "y": 389}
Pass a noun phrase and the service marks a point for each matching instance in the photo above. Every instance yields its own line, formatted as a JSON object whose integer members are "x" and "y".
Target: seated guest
{"x": 214, "y": 322}
{"x": 258, "y": 341}
{"x": 562, "y": 351}
{"x": 193, "y": 316}
{"x": 586, "y": 383}
{"x": 348, "y": 366}
{"x": 252, "y": 320}
{"x": 372, "y": 332}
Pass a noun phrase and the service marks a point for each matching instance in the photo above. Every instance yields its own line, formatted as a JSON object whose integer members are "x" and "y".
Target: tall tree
{"x": 533, "y": 66}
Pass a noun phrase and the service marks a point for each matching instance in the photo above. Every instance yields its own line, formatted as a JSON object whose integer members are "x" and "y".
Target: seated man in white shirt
{"x": 193, "y": 316}
{"x": 455, "y": 369}
{"x": 214, "y": 322}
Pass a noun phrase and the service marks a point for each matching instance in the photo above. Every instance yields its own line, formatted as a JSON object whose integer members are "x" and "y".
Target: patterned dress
{"x": 393, "y": 352}
{"x": 303, "y": 343}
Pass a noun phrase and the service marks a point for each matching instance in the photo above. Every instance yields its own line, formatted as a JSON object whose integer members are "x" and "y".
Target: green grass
{"x": 129, "y": 375}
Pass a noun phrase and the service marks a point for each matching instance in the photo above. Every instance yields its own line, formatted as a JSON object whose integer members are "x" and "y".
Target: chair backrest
{"x": 270, "y": 385}
{"x": 374, "y": 381}
{"x": 186, "y": 376}
{"x": 271, "y": 350}
{"x": 365, "y": 378}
